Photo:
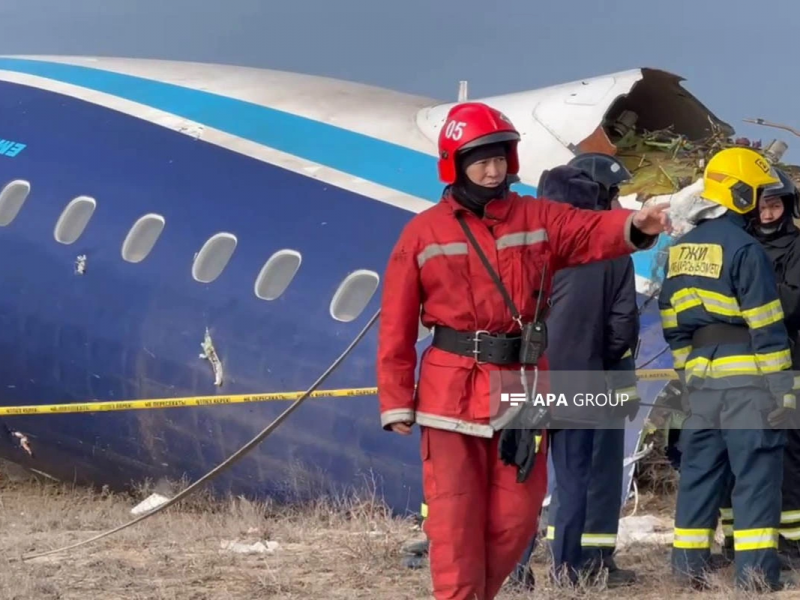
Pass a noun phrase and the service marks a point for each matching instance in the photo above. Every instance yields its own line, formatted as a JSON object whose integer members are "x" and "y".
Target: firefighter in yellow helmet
{"x": 722, "y": 318}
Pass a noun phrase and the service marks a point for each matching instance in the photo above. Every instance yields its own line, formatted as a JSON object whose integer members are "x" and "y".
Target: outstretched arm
{"x": 580, "y": 236}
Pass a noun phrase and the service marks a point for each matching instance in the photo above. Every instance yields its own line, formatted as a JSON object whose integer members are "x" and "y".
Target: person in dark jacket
{"x": 774, "y": 227}
{"x": 587, "y": 341}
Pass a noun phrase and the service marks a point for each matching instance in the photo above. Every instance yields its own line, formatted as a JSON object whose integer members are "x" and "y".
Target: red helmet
{"x": 473, "y": 124}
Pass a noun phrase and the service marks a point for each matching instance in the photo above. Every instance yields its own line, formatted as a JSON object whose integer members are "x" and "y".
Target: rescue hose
{"x": 231, "y": 459}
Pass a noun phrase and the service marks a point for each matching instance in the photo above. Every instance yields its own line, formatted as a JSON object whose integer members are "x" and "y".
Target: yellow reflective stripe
{"x": 761, "y": 316}
{"x": 713, "y": 302}
{"x": 796, "y": 384}
{"x": 669, "y": 318}
{"x": 598, "y": 540}
{"x": 423, "y": 511}
{"x": 755, "y": 539}
{"x": 790, "y": 516}
{"x": 791, "y": 533}
{"x": 684, "y": 300}
{"x": 789, "y": 401}
{"x": 726, "y": 513}
{"x": 743, "y": 364}
{"x": 722, "y": 367}
{"x": 551, "y": 532}
{"x": 774, "y": 361}
{"x": 680, "y": 355}
{"x": 627, "y": 354}
{"x": 538, "y": 440}
{"x": 692, "y": 539}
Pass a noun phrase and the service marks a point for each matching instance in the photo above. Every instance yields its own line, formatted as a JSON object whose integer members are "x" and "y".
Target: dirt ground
{"x": 328, "y": 550}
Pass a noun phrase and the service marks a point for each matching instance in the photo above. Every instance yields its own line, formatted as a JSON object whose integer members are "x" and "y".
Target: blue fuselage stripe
{"x": 387, "y": 164}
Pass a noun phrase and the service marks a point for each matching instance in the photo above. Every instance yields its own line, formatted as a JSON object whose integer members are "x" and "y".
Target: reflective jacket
{"x": 434, "y": 268}
{"x": 718, "y": 273}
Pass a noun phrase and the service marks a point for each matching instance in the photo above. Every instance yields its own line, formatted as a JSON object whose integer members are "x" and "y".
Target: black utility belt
{"x": 720, "y": 333}
{"x": 497, "y": 349}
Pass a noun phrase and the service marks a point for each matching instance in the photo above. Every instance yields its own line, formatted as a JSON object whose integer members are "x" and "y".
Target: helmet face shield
{"x": 745, "y": 198}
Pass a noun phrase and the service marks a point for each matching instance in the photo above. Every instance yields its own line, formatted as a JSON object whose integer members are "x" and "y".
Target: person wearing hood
{"x": 773, "y": 226}
{"x": 591, "y": 351}
{"x": 721, "y": 316}
{"x": 474, "y": 267}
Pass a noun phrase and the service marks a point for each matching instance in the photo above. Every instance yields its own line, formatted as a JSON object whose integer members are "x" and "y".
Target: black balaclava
{"x": 776, "y": 229}
{"x": 469, "y": 194}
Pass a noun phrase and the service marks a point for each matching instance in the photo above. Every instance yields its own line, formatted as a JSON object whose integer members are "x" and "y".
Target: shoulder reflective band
{"x": 153, "y": 403}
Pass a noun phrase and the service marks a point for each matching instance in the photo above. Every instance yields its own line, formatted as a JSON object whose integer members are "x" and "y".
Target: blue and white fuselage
{"x": 147, "y": 207}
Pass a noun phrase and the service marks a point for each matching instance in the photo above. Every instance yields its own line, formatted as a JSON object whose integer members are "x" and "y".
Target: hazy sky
{"x": 739, "y": 57}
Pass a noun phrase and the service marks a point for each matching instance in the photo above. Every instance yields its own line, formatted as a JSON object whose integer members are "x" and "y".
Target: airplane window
{"x": 353, "y": 295}
{"x": 74, "y": 219}
{"x": 11, "y": 200}
{"x": 277, "y": 273}
{"x": 213, "y": 257}
{"x": 142, "y": 237}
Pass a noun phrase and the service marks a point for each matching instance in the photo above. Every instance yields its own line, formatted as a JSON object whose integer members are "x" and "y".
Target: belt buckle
{"x": 476, "y": 340}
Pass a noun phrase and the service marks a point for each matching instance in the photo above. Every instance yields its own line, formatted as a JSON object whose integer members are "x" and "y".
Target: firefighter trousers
{"x": 572, "y": 451}
{"x": 598, "y": 538}
{"x": 790, "y": 500}
{"x": 714, "y": 448}
{"x": 479, "y": 518}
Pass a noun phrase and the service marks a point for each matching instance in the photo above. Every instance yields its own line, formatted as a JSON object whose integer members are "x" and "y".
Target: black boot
{"x": 618, "y": 577}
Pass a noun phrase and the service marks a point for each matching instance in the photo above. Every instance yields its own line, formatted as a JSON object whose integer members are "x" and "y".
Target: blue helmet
{"x": 606, "y": 170}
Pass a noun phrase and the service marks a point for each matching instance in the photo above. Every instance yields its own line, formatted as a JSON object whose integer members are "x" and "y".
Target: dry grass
{"x": 347, "y": 549}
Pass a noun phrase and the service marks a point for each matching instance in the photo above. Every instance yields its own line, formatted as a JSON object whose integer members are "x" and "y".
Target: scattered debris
{"x": 23, "y": 442}
{"x": 151, "y": 502}
{"x": 646, "y": 529}
{"x": 243, "y": 548}
{"x": 210, "y": 354}
{"x": 80, "y": 264}
{"x": 663, "y": 162}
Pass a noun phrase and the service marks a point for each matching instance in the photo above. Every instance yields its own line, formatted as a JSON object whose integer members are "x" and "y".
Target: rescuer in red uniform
{"x": 480, "y": 518}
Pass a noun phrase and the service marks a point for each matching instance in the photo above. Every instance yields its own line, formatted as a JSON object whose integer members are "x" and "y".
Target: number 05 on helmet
{"x": 470, "y": 125}
{"x": 737, "y": 177}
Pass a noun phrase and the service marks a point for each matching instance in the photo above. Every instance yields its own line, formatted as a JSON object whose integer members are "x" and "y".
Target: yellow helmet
{"x": 736, "y": 178}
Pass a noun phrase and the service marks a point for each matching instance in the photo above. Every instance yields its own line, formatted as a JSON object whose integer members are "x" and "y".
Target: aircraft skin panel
{"x": 383, "y": 171}
{"x": 137, "y": 328}
{"x": 381, "y": 113}
{"x": 128, "y": 331}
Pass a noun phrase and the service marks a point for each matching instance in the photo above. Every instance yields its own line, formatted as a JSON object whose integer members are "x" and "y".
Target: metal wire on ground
{"x": 231, "y": 460}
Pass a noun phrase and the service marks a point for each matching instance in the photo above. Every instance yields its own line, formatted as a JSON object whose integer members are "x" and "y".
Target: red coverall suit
{"x": 479, "y": 518}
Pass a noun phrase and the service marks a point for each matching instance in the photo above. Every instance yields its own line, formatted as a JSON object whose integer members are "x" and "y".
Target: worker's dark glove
{"x": 630, "y": 409}
{"x": 519, "y": 447}
{"x": 783, "y": 415}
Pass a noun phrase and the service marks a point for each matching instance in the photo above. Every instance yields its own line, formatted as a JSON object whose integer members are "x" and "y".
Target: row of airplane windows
{"x": 349, "y": 300}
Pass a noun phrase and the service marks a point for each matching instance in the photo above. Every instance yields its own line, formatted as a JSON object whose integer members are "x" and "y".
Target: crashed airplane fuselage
{"x": 172, "y": 230}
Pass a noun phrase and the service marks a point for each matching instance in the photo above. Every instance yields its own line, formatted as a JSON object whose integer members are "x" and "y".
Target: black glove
{"x": 630, "y": 409}
{"x": 519, "y": 447}
{"x": 519, "y": 441}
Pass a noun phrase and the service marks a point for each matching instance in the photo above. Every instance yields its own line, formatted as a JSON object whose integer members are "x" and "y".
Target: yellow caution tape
{"x": 82, "y": 407}
{"x": 656, "y": 374}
